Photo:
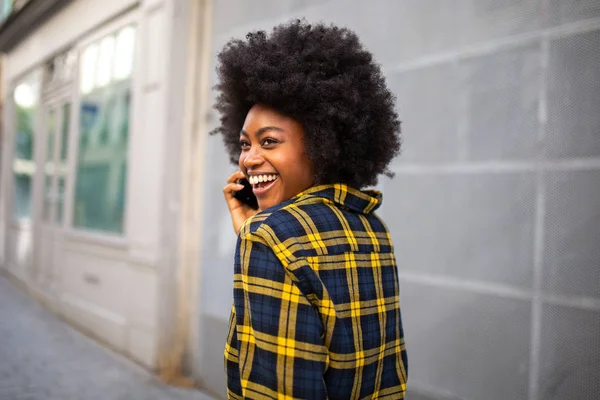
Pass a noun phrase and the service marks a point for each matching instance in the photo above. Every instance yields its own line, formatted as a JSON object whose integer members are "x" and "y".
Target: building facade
{"x": 112, "y": 210}
{"x": 95, "y": 103}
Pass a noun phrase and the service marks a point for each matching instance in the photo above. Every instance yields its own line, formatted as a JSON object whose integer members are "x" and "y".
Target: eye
{"x": 244, "y": 145}
{"x": 268, "y": 142}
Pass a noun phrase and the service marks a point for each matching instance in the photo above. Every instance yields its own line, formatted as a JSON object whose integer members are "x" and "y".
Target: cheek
{"x": 301, "y": 170}
{"x": 303, "y": 166}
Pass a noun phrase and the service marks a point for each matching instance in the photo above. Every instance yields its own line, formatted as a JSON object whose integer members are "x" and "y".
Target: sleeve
{"x": 232, "y": 371}
{"x": 279, "y": 333}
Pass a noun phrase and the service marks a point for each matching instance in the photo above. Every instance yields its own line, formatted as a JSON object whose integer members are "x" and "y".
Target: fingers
{"x": 230, "y": 189}
{"x": 233, "y": 185}
{"x": 235, "y": 177}
{"x": 240, "y": 211}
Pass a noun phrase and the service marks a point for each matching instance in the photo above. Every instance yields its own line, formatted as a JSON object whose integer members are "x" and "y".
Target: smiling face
{"x": 273, "y": 156}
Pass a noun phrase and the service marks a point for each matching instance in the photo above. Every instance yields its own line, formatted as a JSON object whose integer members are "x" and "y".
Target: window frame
{"x": 112, "y": 239}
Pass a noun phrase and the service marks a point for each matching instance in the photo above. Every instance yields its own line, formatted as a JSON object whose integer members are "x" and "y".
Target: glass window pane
{"x": 66, "y": 123}
{"x": 50, "y": 139}
{"x": 103, "y": 142}
{"x": 22, "y": 196}
{"x": 60, "y": 201}
{"x": 6, "y": 8}
{"x": 62, "y": 167}
{"x": 105, "y": 60}
{"x": 25, "y": 99}
{"x": 25, "y": 102}
{"x": 88, "y": 68}
{"x": 123, "y": 64}
{"x": 49, "y": 165}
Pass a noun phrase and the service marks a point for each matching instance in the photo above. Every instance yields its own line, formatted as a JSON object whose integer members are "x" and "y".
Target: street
{"x": 42, "y": 358}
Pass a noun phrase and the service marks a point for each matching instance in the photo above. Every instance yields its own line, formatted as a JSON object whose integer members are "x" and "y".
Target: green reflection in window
{"x": 25, "y": 99}
{"x": 105, "y": 86}
{"x": 7, "y": 6}
{"x": 24, "y": 134}
{"x": 61, "y": 170}
{"x": 22, "y": 196}
{"x": 60, "y": 200}
{"x": 65, "y": 131}
{"x": 49, "y": 168}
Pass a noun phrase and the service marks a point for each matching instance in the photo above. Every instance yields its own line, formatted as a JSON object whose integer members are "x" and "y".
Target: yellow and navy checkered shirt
{"x": 316, "y": 310}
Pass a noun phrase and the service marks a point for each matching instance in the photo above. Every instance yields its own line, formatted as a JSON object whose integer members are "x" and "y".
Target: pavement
{"x": 43, "y": 358}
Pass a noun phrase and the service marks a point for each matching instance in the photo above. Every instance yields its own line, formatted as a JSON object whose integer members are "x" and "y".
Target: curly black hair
{"x": 321, "y": 76}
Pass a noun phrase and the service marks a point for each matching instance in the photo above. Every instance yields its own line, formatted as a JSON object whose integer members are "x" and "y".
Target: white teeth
{"x": 254, "y": 180}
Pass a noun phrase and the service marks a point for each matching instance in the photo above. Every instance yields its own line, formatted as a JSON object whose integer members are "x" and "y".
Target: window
{"x": 7, "y": 6}
{"x": 64, "y": 145}
{"x": 49, "y": 167}
{"x": 25, "y": 97}
{"x": 55, "y": 167}
{"x": 105, "y": 87}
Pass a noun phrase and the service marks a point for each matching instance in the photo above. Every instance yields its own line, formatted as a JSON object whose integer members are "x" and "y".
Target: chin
{"x": 268, "y": 203}
{"x": 265, "y": 204}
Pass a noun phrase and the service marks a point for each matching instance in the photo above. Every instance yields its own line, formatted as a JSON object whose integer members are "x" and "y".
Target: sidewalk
{"x": 42, "y": 358}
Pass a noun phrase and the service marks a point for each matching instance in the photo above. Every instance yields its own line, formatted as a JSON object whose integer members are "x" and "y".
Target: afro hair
{"x": 322, "y": 77}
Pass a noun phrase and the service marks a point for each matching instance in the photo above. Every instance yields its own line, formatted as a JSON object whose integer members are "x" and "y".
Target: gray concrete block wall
{"x": 477, "y": 344}
{"x": 572, "y": 238}
{"x": 494, "y": 209}
{"x": 431, "y": 214}
{"x": 573, "y": 92}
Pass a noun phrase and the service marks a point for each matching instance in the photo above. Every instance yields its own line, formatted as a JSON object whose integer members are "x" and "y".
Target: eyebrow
{"x": 262, "y": 131}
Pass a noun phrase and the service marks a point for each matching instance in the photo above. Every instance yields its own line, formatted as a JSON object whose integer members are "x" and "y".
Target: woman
{"x": 307, "y": 116}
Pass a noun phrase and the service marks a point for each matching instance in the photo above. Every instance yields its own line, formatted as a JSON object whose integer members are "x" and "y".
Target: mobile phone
{"x": 246, "y": 195}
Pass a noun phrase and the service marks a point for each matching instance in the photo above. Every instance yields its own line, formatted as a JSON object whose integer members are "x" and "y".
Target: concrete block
{"x": 572, "y": 233}
{"x": 503, "y": 91}
{"x": 469, "y": 345}
{"x": 475, "y": 226}
{"x": 570, "y": 354}
{"x": 573, "y": 92}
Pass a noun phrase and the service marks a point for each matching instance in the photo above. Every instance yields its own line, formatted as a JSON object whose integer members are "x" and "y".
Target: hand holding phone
{"x": 240, "y": 199}
{"x": 246, "y": 195}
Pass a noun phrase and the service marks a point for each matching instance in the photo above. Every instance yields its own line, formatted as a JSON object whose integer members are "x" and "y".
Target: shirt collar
{"x": 365, "y": 201}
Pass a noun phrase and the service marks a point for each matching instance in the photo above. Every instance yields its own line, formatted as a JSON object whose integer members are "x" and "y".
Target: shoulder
{"x": 288, "y": 220}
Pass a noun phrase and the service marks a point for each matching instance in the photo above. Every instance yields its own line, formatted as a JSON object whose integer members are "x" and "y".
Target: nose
{"x": 253, "y": 158}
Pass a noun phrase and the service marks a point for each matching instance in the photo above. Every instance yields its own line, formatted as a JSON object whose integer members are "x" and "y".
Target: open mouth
{"x": 262, "y": 183}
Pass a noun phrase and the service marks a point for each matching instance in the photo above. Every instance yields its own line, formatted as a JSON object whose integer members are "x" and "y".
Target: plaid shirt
{"x": 316, "y": 311}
